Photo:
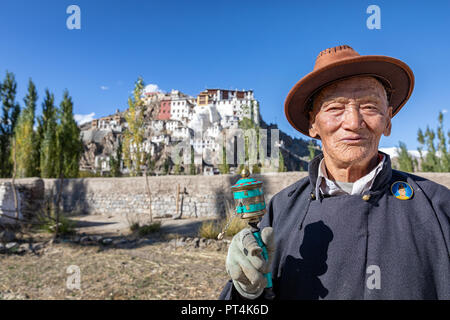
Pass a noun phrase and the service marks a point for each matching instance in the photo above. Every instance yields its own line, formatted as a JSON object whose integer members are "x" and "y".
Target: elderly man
{"x": 354, "y": 228}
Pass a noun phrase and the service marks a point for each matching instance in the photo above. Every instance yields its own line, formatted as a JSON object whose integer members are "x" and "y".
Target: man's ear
{"x": 387, "y": 130}
{"x": 312, "y": 126}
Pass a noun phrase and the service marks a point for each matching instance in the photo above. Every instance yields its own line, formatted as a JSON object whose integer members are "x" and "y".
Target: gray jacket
{"x": 359, "y": 246}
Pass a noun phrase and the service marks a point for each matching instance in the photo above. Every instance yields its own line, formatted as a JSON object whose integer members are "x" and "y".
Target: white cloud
{"x": 151, "y": 88}
{"x": 104, "y": 87}
{"x": 444, "y": 111}
{"x": 83, "y": 118}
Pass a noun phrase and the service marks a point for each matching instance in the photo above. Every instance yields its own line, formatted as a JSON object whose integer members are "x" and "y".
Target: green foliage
{"x": 192, "y": 168}
{"x": 69, "y": 144}
{"x": 134, "y": 134}
{"x": 312, "y": 150}
{"x": 25, "y": 136}
{"x": 149, "y": 228}
{"x": 8, "y": 121}
{"x": 151, "y": 164}
{"x": 115, "y": 160}
{"x": 177, "y": 169}
{"x": 145, "y": 229}
{"x": 48, "y": 145}
{"x": 281, "y": 165}
{"x": 47, "y": 222}
{"x": 251, "y": 150}
{"x": 89, "y": 174}
{"x": 431, "y": 161}
{"x": 166, "y": 166}
{"x": 224, "y": 168}
{"x": 405, "y": 161}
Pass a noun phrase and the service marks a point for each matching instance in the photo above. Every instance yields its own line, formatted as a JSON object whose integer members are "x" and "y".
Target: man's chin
{"x": 354, "y": 154}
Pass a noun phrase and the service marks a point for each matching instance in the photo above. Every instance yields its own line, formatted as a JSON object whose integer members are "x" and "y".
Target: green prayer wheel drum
{"x": 249, "y": 197}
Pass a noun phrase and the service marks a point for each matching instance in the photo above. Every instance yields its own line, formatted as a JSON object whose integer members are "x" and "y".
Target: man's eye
{"x": 335, "y": 108}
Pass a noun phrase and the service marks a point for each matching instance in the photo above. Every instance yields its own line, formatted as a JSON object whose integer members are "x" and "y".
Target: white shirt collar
{"x": 329, "y": 187}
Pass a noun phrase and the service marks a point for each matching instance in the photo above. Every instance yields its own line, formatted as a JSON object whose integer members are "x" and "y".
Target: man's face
{"x": 349, "y": 117}
{"x": 402, "y": 192}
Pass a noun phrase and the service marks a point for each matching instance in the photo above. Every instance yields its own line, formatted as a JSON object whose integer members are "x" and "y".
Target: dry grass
{"x": 211, "y": 229}
{"x": 152, "y": 272}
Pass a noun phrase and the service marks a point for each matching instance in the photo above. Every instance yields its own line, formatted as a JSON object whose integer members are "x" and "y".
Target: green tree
{"x": 47, "y": 126}
{"x": 134, "y": 134}
{"x": 25, "y": 137}
{"x": 11, "y": 111}
{"x": 312, "y": 150}
{"x": 116, "y": 159}
{"x": 224, "y": 168}
{"x": 431, "y": 161}
{"x": 166, "y": 166}
{"x": 442, "y": 145}
{"x": 69, "y": 144}
{"x": 281, "y": 165}
{"x": 192, "y": 168}
{"x": 247, "y": 124}
{"x": 405, "y": 161}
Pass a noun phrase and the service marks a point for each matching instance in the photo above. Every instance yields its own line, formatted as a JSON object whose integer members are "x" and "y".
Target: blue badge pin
{"x": 402, "y": 190}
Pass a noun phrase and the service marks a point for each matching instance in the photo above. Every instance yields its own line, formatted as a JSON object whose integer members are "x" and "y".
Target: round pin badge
{"x": 402, "y": 190}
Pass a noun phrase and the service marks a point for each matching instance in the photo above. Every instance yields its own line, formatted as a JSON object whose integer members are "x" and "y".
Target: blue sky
{"x": 266, "y": 46}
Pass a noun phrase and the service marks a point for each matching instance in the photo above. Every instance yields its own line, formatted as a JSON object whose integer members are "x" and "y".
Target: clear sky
{"x": 190, "y": 45}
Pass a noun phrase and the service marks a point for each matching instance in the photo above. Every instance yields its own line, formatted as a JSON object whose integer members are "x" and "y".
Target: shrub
{"x": 149, "y": 228}
{"x": 146, "y": 228}
{"x": 48, "y": 224}
{"x": 211, "y": 229}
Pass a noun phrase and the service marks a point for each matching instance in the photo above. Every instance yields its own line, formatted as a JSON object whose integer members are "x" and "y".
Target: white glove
{"x": 245, "y": 263}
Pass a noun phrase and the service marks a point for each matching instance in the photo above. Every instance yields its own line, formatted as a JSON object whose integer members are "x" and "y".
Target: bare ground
{"x": 155, "y": 270}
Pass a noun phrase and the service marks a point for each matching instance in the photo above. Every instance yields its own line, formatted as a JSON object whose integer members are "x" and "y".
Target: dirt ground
{"x": 154, "y": 270}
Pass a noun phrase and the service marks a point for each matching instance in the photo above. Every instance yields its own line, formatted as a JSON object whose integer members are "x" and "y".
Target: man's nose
{"x": 352, "y": 118}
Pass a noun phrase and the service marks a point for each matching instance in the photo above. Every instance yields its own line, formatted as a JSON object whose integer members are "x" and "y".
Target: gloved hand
{"x": 245, "y": 263}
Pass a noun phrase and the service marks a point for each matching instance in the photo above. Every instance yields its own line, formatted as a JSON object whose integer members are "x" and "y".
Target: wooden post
{"x": 149, "y": 197}
{"x": 16, "y": 202}
{"x": 178, "y": 202}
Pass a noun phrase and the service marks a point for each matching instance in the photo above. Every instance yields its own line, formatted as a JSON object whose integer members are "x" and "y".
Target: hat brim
{"x": 392, "y": 72}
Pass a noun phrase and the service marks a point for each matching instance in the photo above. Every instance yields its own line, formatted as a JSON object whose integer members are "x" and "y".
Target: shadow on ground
{"x": 117, "y": 235}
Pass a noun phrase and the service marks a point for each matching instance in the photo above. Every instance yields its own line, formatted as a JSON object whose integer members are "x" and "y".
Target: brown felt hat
{"x": 342, "y": 62}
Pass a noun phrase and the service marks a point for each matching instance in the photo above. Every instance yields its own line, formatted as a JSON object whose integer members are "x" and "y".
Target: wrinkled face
{"x": 349, "y": 117}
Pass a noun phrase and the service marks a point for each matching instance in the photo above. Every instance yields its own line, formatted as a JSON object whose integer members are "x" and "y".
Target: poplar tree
{"x": 431, "y": 161}
{"x": 115, "y": 160}
{"x": 26, "y": 164}
{"x": 192, "y": 168}
{"x": 69, "y": 144}
{"x": 281, "y": 165}
{"x": 312, "y": 150}
{"x": 134, "y": 134}
{"x": 405, "y": 161}
{"x": 10, "y": 114}
{"x": 442, "y": 145}
{"x": 47, "y": 137}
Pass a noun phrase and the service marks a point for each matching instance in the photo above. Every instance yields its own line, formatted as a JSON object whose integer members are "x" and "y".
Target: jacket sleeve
{"x": 440, "y": 200}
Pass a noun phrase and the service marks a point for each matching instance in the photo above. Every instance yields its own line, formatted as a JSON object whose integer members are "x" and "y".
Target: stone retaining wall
{"x": 204, "y": 196}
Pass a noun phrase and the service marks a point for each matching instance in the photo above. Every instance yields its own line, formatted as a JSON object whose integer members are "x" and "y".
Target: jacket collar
{"x": 382, "y": 179}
